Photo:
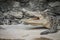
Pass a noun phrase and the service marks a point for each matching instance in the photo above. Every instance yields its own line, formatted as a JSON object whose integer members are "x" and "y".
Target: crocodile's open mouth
{"x": 33, "y": 21}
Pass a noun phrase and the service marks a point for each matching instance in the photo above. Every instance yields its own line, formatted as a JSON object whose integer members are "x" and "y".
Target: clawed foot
{"x": 44, "y": 33}
{"x": 47, "y": 32}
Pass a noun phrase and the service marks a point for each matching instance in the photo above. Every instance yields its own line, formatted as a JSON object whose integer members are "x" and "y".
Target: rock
{"x": 55, "y": 6}
{"x": 24, "y": 9}
{"x": 16, "y": 14}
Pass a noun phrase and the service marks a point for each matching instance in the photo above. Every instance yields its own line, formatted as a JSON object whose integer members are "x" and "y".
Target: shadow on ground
{"x": 42, "y": 38}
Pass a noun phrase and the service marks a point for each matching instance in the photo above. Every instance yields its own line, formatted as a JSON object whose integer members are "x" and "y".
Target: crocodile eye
{"x": 38, "y": 18}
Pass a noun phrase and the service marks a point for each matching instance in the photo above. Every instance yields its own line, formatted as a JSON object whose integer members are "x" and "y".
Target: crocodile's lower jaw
{"x": 37, "y": 23}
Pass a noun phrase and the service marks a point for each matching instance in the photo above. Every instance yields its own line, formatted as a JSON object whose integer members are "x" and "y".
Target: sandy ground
{"x": 20, "y": 32}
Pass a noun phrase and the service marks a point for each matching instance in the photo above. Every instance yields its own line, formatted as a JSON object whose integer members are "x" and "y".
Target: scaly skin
{"x": 45, "y": 20}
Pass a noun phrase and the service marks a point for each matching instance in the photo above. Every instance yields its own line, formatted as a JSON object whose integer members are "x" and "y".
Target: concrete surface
{"x": 20, "y": 32}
